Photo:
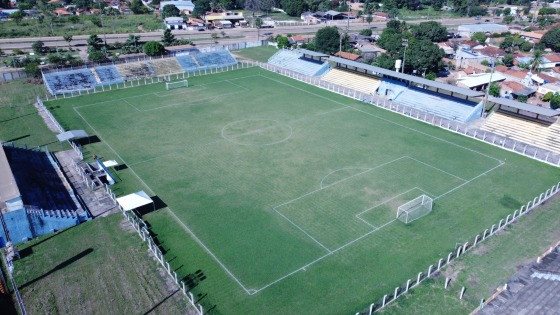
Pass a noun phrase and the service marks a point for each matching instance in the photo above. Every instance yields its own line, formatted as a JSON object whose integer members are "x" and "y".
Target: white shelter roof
{"x": 134, "y": 200}
{"x": 71, "y": 134}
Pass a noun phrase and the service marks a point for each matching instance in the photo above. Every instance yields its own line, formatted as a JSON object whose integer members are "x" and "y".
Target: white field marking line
{"x": 179, "y": 92}
{"x": 131, "y": 105}
{"x": 152, "y": 93}
{"x": 470, "y": 180}
{"x": 303, "y": 268}
{"x": 232, "y": 139}
{"x": 342, "y": 169}
{"x": 177, "y": 152}
{"x": 339, "y": 181}
{"x": 436, "y": 168}
{"x": 185, "y": 227}
{"x": 389, "y": 121}
{"x": 237, "y": 84}
{"x": 366, "y": 222}
{"x": 194, "y": 102}
{"x": 302, "y": 230}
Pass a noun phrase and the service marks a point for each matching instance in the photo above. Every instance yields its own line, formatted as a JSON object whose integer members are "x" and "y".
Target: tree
{"x": 253, "y": 6}
{"x": 94, "y": 43}
{"x": 153, "y": 48}
{"x": 479, "y": 37}
{"x": 551, "y": 39}
{"x": 537, "y": 60}
{"x": 393, "y": 13}
{"x": 508, "y": 19}
{"x": 132, "y": 44}
{"x": 555, "y": 101}
{"x": 258, "y": 25}
{"x": 432, "y": 31}
{"x": 38, "y": 47}
{"x": 168, "y": 38}
{"x": 138, "y": 7}
{"x": 508, "y": 60}
{"x": 423, "y": 56}
{"x": 431, "y": 76}
{"x": 498, "y": 12}
{"x": 366, "y": 32}
{"x": 97, "y": 56}
{"x": 293, "y": 7}
{"x": 494, "y": 89}
{"x": 327, "y": 40}
{"x": 369, "y": 19}
{"x": 548, "y": 96}
{"x": 437, "y": 4}
{"x": 32, "y": 69}
{"x": 547, "y": 11}
{"x": 170, "y": 10}
{"x": 96, "y": 21}
{"x": 67, "y": 38}
{"x": 522, "y": 98}
{"x": 396, "y": 25}
{"x": 384, "y": 61}
{"x": 282, "y": 41}
{"x": 267, "y": 5}
{"x": 506, "y": 11}
{"x": 17, "y": 16}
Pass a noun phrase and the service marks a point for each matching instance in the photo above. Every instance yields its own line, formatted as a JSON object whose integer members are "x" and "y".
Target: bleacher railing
{"x": 454, "y": 126}
{"x": 142, "y": 228}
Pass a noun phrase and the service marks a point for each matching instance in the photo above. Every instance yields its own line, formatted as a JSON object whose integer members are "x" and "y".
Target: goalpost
{"x": 415, "y": 209}
{"x": 176, "y": 85}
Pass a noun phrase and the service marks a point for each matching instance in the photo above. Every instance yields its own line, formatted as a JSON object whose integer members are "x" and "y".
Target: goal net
{"x": 175, "y": 85}
{"x": 414, "y": 209}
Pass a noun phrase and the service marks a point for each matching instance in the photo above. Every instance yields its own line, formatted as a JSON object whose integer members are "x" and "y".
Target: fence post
{"x": 462, "y": 293}
{"x": 384, "y": 300}
{"x": 407, "y": 285}
{"x": 446, "y": 282}
{"x": 449, "y": 257}
{"x": 439, "y": 264}
{"x": 476, "y": 240}
{"x": 418, "y": 278}
{"x": 395, "y": 295}
{"x": 430, "y": 270}
{"x": 371, "y": 308}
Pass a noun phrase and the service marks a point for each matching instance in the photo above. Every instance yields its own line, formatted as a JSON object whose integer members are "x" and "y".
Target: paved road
{"x": 236, "y": 34}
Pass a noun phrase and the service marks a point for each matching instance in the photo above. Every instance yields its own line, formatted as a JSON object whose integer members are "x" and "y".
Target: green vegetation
{"x": 233, "y": 151}
{"x": 153, "y": 48}
{"x": 100, "y": 267}
{"x": 19, "y": 120}
{"x": 84, "y": 25}
{"x": 262, "y": 53}
{"x": 485, "y": 268}
{"x": 551, "y": 39}
{"x": 327, "y": 40}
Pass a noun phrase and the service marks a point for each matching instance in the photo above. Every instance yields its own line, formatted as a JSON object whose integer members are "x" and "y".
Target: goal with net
{"x": 175, "y": 85}
{"x": 415, "y": 209}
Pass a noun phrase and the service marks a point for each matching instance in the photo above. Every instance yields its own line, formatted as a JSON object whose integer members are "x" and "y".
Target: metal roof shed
{"x": 524, "y": 108}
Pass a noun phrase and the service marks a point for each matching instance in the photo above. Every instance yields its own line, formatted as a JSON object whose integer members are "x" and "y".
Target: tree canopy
{"x": 327, "y": 40}
{"x": 432, "y": 31}
{"x": 551, "y": 39}
{"x": 479, "y": 37}
{"x": 168, "y": 38}
{"x": 153, "y": 48}
{"x": 170, "y": 10}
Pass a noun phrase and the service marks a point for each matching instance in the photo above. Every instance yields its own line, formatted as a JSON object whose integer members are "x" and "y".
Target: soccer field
{"x": 286, "y": 195}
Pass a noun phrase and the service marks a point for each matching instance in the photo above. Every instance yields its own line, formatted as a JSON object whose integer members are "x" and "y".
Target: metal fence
{"x": 460, "y": 250}
{"x": 458, "y": 127}
{"x": 12, "y": 75}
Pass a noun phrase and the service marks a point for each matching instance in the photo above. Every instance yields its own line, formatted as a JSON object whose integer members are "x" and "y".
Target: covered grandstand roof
{"x": 71, "y": 134}
{"x": 8, "y": 185}
{"x": 311, "y": 53}
{"x": 524, "y": 106}
{"x": 408, "y": 77}
{"x": 134, "y": 200}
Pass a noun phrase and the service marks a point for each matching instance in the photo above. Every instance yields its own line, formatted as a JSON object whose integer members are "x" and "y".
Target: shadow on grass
{"x": 161, "y": 302}
{"x": 29, "y": 249}
{"x": 60, "y": 266}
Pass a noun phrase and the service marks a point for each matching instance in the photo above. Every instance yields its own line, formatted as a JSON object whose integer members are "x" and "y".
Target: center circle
{"x": 256, "y": 132}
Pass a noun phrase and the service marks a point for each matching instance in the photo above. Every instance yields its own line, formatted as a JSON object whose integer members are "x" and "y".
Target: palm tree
{"x": 537, "y": 60}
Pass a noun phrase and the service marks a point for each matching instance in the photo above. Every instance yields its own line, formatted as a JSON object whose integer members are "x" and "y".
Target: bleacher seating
{"x": 133, "y": 70}
{"x": 38, "y": 180}
{"x": 358, "y": 82}
{"x": 187, "y": 63}
{"x": 220, "y": 58}
{"x": 166, "y": 66}
{"x": 442, "y": 105}
{"x": 294, "y": 61}
{"x": 71, "y": 80}
{"x": 107, "y": 75}
{"x": 542, "y": 135}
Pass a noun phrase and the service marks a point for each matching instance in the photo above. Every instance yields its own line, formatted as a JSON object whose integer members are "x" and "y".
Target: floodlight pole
{"x": 405, "y": 44}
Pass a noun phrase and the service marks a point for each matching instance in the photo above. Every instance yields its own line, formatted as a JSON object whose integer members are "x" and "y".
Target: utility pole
{"x": 405, "y": 45}
{"x": 486, "y": 95}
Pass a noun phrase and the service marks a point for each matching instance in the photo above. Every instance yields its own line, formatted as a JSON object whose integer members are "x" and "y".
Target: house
{"x": 218, "y": 19}
{"x": 490, "y": 51}
{"x": 548, "y": 87}
{"x": 125, "y": 10}
{"x": 183, "y": 6}
{"x": 380, "y": 16}
{"x": 532, "y": 37}
{"x": 507, "y": 88}
{"x": 547, "y": 61}
{"x": 310, "y": 17}
{"x": 448, "y": 50}
{"x": 61, "y": 12}
{"x": 347, "y": 55}
{"x": 175, "y": 23}
{"x": 479, "y": 81}
{"x": 300, "y": 39}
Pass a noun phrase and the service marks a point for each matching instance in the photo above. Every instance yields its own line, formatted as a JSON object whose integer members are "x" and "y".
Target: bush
{"x": 366, "y": 32}
{"x": 32, "y": 69}
{"x": 548, "y": 96}
{"x": 522, "y": 98}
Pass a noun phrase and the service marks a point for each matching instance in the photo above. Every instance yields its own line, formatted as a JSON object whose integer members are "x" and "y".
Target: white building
{"x": 468, "y": 30}
{"x": 180, "y": 4}
{"x": 175, "y": 23}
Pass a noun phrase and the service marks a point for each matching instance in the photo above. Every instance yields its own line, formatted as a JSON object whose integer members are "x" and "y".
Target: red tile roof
{"x": 553, "y": 58}
{"x": 501, "y": 68}
{"x": 491, "y": 51}
{"x": 347, "y": 55}
{"x": 512, "y": 86}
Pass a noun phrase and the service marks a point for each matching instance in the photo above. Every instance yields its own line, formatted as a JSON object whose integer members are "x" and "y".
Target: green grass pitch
{"x": 285, "y": 195}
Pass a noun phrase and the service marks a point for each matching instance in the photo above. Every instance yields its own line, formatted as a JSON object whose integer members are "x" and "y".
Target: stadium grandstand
{"x": 525, "y": 123}
{"x": 107, "y": 75}
{"x": 35, "y": 197}
{"x": 433, "y": 97}
{"x": 301, "y": 61}
{"x": 166, "y": 66}
{"x": 135, "y": 70}
{"x": 70, "y": 80}
{"x": 358, "y": 82}
{"x": 67, "y": 81}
